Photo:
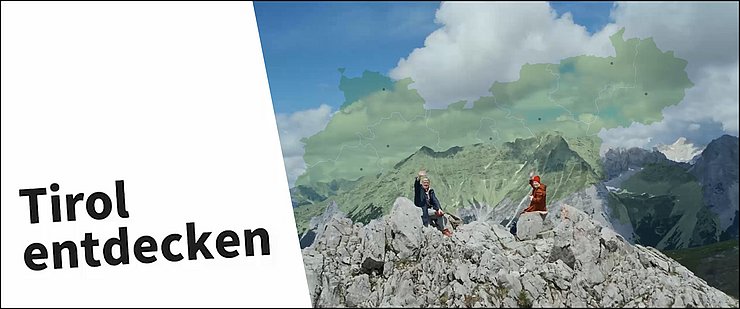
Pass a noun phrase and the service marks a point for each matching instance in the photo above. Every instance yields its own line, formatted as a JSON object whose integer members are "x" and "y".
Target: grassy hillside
{"x": 320, "y": 191}
{"x": 649, "y": 215}
{"x": 480, "y": 173}
{"x": 716, "y": 263}
{"x": 664, "y": 204}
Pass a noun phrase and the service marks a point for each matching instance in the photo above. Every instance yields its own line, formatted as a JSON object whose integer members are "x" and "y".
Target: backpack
{"x": 512, "y": 230}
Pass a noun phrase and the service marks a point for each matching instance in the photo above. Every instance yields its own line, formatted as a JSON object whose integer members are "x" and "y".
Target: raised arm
{"x": 418, "y": 190}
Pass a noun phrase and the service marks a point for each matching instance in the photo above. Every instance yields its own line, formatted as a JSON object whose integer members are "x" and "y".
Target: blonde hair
{"x": 423, "y": 179}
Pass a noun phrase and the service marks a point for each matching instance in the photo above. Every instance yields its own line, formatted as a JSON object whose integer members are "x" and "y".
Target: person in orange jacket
{"x": 538, "y": 197}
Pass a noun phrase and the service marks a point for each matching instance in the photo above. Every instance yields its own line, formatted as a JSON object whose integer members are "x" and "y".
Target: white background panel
{"x": 173, "y": 99}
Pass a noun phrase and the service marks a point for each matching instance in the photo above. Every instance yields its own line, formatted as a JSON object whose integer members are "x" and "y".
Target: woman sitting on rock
{"x": 537, "y": 199}
{"x": 538, "y": 196}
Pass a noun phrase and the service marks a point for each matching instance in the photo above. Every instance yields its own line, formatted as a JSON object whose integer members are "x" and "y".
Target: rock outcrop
{"x": 717, "y": 171}
{"x": 317, "y": 224}
{"x": 395, "y": 261}
{"x": 530, "y": 225}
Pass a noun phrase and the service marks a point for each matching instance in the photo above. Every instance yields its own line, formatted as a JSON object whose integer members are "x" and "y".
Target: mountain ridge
{"x": 478, "y": 174}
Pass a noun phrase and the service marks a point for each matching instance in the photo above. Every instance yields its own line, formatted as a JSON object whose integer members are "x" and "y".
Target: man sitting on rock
{"x": 425, "y": 198}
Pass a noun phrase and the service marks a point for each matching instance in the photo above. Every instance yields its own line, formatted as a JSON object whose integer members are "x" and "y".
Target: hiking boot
{"x": 447, "y": 233}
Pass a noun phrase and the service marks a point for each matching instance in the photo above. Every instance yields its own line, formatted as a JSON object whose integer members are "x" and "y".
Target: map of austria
{"x": 578, "y": 97}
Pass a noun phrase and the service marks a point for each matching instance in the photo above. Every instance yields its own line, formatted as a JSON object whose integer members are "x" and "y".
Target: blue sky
{"x": 592, "y": 15}
{"x": 305, "y": 43}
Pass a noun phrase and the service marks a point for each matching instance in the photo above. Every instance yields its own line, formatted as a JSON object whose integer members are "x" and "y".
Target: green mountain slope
{"x": 319, "y": 191}
{"x": 716, "y": 263}
{"x": 461, "y": 176}
{"x": 663, "y": 202}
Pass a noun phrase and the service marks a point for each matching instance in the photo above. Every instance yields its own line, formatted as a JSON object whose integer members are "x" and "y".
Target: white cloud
{"x": 706, "y": 35}
{"x": 480, "y": 43}
{"x": 614, "y": 139}
{"x": 708, "y": 110}
{"x": 292, "y": 128}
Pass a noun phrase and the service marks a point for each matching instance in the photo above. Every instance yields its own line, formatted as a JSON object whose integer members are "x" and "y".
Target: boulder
{"x": 404, "y": 228}
{"x": 530, "y": 224}
{"x": 317, "y": 224}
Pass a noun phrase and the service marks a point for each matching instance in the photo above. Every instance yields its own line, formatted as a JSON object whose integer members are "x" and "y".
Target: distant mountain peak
{"x": 680, "y": 151}
{"x": 725, "y": 139}
{"x": 717, "y": 170}
{"x": 439, "y": 154}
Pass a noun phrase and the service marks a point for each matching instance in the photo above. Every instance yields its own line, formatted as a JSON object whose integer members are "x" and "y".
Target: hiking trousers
{"x": 427, "y": 218}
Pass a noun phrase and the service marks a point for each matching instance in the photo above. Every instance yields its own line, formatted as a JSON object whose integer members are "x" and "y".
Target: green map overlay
{"x": 384, "y": 122}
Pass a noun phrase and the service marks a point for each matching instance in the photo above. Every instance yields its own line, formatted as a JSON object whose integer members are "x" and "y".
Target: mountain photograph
{"x": 650, "y": 200}
{"x": 490, "y": 154}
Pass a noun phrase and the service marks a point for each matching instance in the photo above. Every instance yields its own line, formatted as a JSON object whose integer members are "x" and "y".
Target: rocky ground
{"x": 578, "y": 262}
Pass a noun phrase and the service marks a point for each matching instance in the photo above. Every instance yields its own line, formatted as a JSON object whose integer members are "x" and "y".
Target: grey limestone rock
{"x": 529, "y": 225}
{"x": 396, "y": 262}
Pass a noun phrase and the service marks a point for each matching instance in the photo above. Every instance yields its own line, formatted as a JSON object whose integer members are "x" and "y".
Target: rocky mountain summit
{"x": 575, "y": 262}
{"x": 617, "y": 161}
